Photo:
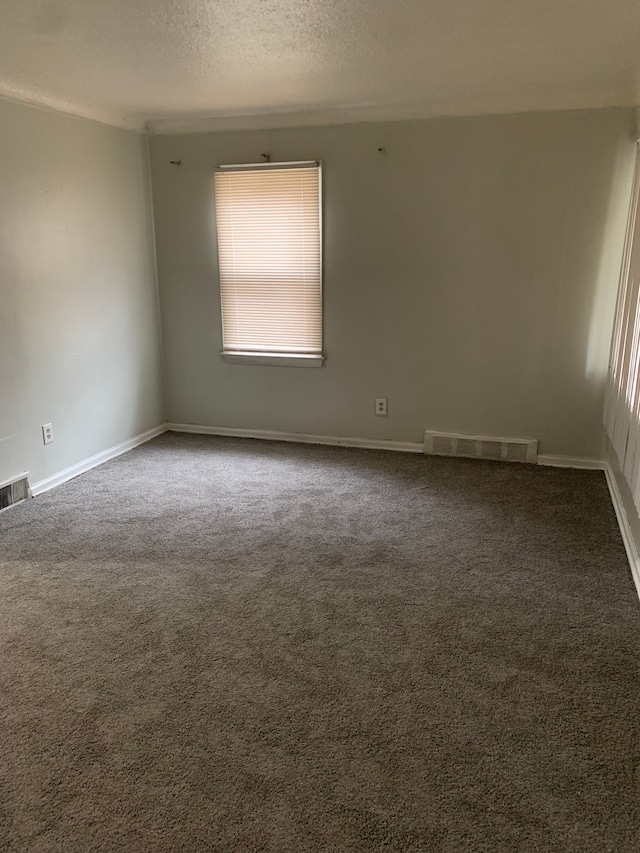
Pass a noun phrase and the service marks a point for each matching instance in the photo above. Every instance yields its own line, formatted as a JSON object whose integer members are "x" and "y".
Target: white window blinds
{"x": 622, "y": 411}
{"x": 269, "y": 252}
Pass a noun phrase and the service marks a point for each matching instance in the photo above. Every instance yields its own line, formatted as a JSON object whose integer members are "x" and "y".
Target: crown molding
{"x": 310, "y": 116}
{"x": 501, "y": 104}
{"x": 24, "y": 98}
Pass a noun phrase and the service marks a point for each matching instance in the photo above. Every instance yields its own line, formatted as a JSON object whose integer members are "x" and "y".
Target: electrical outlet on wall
{"x": 381, "y": 406}
{"x": 47, "y": 433}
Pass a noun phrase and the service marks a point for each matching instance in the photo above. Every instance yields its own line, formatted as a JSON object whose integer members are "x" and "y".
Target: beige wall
{"x": 470, "y": 278}
{"x": 79, "y": 336}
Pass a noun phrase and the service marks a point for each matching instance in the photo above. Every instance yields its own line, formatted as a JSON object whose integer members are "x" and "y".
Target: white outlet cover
{"x": 47, "y": 433}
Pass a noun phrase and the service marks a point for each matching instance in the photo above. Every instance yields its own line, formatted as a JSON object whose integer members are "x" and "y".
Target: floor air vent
{"x": 480, "y": 447}
{"x": 13, "y": 491}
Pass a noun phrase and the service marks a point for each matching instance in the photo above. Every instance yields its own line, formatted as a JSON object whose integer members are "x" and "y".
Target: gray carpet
{"x": 224, "y": 645}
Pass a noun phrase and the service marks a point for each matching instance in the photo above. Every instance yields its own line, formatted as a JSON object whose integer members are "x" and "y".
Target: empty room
{"x": 319, "y": 426}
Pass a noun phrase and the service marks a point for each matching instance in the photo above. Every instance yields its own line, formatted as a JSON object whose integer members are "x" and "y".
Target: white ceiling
{"x": 182, "y": 64}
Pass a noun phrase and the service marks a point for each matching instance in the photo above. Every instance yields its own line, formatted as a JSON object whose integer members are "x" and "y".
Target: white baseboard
{"x": 299, "y": 438}
{"x": 367, "y": 443}
{"x": 571, "y": 462}
{"x": 94, "y": 461}
{"x": 623, "y": 523}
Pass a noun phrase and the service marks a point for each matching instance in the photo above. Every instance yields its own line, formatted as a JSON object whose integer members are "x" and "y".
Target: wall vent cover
{"x": 13, "y": 491}
{"x": 481, "y": 447}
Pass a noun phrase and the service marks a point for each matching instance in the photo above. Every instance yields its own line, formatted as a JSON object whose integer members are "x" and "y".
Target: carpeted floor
{"x": 223, "y": 645}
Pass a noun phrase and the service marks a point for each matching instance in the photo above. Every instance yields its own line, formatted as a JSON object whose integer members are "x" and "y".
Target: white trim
{"x": 367, "y": 443}
{"x": 623, "y": 523}
{"x": 254, "y": 167}
{"x": 571, "y": 462}
{"x": 93, "y": 461}
{"x": 465, "y": 105}
{"x": 25, "y": 98}
{"x": 299, "y": 438}
{"x": 273, "y": 359}
{"x": 624, "y": 95}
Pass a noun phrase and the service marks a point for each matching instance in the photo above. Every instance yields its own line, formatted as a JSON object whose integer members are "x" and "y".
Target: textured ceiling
{"x": 174, "y": 62}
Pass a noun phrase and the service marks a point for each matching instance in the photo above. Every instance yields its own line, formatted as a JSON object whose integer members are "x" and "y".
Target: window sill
{"x": 274, "y": 359}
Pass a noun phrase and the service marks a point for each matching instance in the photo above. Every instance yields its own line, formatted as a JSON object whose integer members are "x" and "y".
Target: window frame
{"x": 280, "y": 359}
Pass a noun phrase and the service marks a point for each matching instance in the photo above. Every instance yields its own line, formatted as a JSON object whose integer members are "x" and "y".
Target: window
{"x": 622, "y": 411}
{"x": 270, "y": 258}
